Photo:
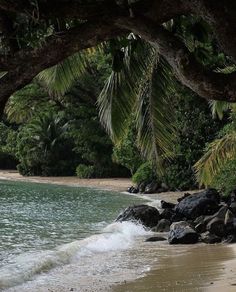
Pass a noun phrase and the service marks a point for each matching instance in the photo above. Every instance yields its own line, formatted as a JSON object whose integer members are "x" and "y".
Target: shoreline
{"x": 107, "y": 184}
{"x": 177, "y": 267}
{"x": 189, "y": 268}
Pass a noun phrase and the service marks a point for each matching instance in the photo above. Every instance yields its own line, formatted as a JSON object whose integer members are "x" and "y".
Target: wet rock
{"x": 231, "y": 198}
{"x": 222, "y": 222}
{"x": 182, "y": 233}
{"x": 141, "y": 187}
{"x": 230, "y": 238}
{"x": 132, "y": 190}
{"x": 167, "y": 214}
{"x": 216, "y": 226}
{"x": 221, "y": 213}
{"x": 162, "y": 226}
{"x": 151, "y": 188}
{"x": 146, "y": 215}
{"x": 155, "y": 238}
{"x": 200, "y": 227}
{"x": 183, "y": 197}
{"x": 210, "y": 238}
{"x": 229, "y": 221}
{"x": 232, "y": 207}
{"x": 201, "y": 222}
{"x": 195, "y": 205}
{"x": 199, "y": 219}
{"x": 167, "y": 205}
{"x": 178, "y": 217}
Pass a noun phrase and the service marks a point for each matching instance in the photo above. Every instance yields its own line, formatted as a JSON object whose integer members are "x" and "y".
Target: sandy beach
{"x": 197, "y": 267}
{"x": 111, "y": 184}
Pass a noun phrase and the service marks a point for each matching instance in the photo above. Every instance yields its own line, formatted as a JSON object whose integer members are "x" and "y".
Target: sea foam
{"x": 116, "y": 236}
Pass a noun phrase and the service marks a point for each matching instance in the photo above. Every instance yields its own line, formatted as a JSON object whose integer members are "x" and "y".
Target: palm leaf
{"x": 3, "y": 73}
{"x": 217, "y": 154}
{"x": 156, "y": 132}
{"x": 117, "y": 100}
{"x": 60, "y": 78}
{"x": 140, "y": 88}
{"x": 23, "y": 104}
{"x": 115, "y": 104}
{"x": 218, "y": 108}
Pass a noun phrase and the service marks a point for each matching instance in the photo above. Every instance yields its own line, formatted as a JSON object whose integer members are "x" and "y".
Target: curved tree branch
{"x": 114, "y": 19}
{"x": 26, "y": 64}
{"x": 210, "y": 85}
{"x": 222, "y": 17}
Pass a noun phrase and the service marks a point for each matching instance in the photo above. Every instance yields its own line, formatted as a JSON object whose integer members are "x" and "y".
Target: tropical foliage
{"x": 126, "y": 152}
{"x": 144, "y": 174}
{"x": 156, "y": 128}
{"x": 194, "y": 128}
{"x": 43, "y": 147}
{"x": 219, "y": 154}
{"x": 225, "y": 179}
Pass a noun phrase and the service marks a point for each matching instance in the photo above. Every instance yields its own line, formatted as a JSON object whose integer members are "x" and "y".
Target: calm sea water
{"x": 37, "y": 220}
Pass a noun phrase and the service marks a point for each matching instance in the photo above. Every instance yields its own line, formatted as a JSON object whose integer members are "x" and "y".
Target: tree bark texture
{"x": 106, "y": 19}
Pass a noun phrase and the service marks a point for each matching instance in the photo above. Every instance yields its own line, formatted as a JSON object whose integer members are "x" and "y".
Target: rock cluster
{"x": 199, "y": 217}
{"x": 148, "y": 188}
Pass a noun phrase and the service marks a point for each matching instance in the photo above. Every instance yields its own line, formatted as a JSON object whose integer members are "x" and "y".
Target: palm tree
{"x": 140, "y": 83}
{"x": 219, "y": 151}
{"x": 42, "y": 143}
{"x": 26, "y": 103}
{"x": 47, "y": 131}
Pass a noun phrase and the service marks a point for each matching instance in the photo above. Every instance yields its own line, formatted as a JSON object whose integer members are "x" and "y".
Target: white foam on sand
{"x": 98, "y": 255}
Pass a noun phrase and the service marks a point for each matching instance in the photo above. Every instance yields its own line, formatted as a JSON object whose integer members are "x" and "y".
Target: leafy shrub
{"x": 126, "y": 152}
{"x": 179, "y": 177}
{"x": 85, "y": 171}
{"x": 43, "y": 147}
{"x": 195, "y": 127}
{"x": 225, "y": 180}
{"x": 144, "y": 173}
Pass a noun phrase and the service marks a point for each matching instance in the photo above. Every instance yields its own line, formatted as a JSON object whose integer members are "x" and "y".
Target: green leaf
{"x": 60, "y": 78}
{"x": 217, "y": 154}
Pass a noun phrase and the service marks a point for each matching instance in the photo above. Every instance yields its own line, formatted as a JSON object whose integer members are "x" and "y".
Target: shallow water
{"x": 43, "y": 227}
{"x": 56, "y": 238}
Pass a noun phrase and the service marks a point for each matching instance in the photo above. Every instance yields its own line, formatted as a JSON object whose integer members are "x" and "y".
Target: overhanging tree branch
{"x": 210, "y": 85}
{"x": 26, "y": 64}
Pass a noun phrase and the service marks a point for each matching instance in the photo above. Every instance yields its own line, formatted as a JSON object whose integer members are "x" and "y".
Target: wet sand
{"x": 189, "y": 268}
{"x": 186, "y": 268}
{"x": 173, "y": 268}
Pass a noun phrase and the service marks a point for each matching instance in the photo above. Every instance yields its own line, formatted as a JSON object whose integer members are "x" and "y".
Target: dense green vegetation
{"x": 195, "y": 127}
{"x": 216, "y": 167}
{"x": 56, "y": 136}
{"x": 118, "y": 110}
{"x": 63, "y": 136}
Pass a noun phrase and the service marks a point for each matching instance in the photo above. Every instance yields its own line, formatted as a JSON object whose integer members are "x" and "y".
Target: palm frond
{"x": 218, "y": 108}
{"x": 60, "y": 78}
{"x": 141, "y": 88}
{"x": 23, "y": 104}
{"x": 226, "y": 70}
{"x": 217, "y": 154}
{"x": 156, "y": 132}
{"x": 117, "y": 100}
{"x": 115, "y": 104}
{"x": 3, "y": 73}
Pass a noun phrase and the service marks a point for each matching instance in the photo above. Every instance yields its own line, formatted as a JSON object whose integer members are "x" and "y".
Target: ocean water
{"x": 50, "y": 233}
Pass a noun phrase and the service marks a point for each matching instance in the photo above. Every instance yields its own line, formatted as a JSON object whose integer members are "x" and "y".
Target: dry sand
{"x": 111, "y": 184}
{"x": 178, "y": 269}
